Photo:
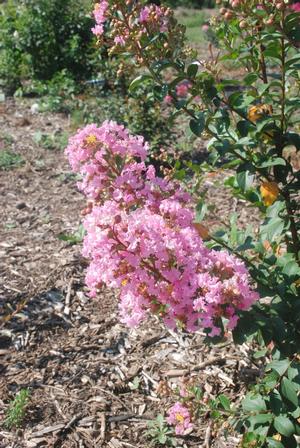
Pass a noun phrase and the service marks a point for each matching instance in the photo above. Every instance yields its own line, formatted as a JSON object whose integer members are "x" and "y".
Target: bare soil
{"x": 93, "y": 382}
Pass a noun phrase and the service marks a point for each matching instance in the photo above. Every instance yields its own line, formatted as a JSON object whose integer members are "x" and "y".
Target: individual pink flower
{"x": 168, "y": 99}
{"x": 179, "y": 416}
{"x": 205, "y": 27}
{"x": 144, "y": 14}
{"x": 182, "y": 89}
{"x": 295, "y": 7}
{"x": 119, "y": 40}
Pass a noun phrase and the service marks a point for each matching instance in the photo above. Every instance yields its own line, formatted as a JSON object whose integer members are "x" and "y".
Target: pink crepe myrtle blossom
{"x": 122, "y": 26}
{"x": 100, "y": 17}
{"x": 295, "y": 7}
{"x": 140, "y": 238}
{"x": 179, "y": 416}
{"x": 168, "y": 99}
{"x": 144, "y": 14}
{"x": 182, "y": 89}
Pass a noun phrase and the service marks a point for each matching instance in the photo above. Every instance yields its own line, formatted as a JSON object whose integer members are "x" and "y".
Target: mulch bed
{"x": 93, "y": 382}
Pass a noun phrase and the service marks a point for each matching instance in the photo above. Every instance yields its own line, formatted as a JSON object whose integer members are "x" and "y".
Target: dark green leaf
{"x": 192, "y": 69}
{"x": 289, "y": 391}
{"x": 225, "y": 402}
{"x": 198, "y": 126}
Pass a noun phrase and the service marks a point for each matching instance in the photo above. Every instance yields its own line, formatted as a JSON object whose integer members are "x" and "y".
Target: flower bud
{"x": 228, "y": 15}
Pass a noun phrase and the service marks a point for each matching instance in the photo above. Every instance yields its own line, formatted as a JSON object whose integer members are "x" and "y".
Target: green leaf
{"x": 271, "y": 229}
{"x": 239, "y": 100}
{"x": 254, "y": 403}
{"x": 260, "y": 419}
{"x": 276, "y": 403}
{"x": 162, "y": 438}
{"x": 294, "y": 374}
{"x": 244, "y": 180}
{"x": 288, "y": 391}
{"x": 279, "y": 366}
{"x": 284, "y": 426}
{"x": 198, "y": 126}
{"x": 250, "y": 78}
{"x": 192, "y": 69}
{"x": 274, "y": 443}
{"x": 273, "y": 162}
{"x": 260, "y": 353}
{"x": 138, "y": 81}
{"x": 201, "y": 210}
{"x": 225, "y": 402}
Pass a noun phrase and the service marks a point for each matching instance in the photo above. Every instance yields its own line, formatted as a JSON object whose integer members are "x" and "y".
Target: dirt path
{"x": 92, "y": 381}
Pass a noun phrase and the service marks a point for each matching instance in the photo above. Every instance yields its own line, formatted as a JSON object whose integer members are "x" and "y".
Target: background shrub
{"x": 39, "y": 38}
{"x": 191, "y": 3}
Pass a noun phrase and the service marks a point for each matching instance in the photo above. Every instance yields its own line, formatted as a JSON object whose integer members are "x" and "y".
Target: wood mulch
{"x": 93, "y": 382}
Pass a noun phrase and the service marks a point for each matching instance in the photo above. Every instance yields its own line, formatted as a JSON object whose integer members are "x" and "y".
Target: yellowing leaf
{"x": 259, "y": 111}
{"x": 269, "y": 192}
{"x": 202, "y": 231}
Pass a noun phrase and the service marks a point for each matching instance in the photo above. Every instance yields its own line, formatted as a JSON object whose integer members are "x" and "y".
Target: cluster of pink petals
{"x": 168, "y": 99}
{"x": 154, "y": 11}
{"x": 100, "y": 17}
{"x": 141, "y": 238}
{"x": 180, "y": 417}
{"x": 182, "y": 89}
{"x": 295, "y": 7}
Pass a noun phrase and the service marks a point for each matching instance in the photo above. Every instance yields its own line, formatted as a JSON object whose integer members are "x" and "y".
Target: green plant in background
{"x": 39, "y": 38}
{"x": 191, "y": 3}
{"x": 59, "y": 93}
{"x": 10, "y": 160}
{"x": 16, "y": 411}
{"x": 55, "y": 141}
{"x": 73, "y": 238}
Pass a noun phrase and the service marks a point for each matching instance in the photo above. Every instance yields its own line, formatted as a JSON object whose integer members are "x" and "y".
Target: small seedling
{"x": 16, "y": 411}
{"x": 9, "y": 160}
{"x": 135, "y": 384}
{"x": 55, "y": 141}
{"x": 73, "y": 238}
{"x": 160, "y": 433}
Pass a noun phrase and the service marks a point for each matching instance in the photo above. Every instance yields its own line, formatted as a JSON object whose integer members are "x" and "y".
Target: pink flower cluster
{"x": 180, "y": 417}
{"x": 131, "y": 27}
{"x": 100, "y": 17}
{"x": 182, "y": 89}
{"x": 154, "y": 13}
{"x": 141, "y": 238}
{"x": 295, "y": 7}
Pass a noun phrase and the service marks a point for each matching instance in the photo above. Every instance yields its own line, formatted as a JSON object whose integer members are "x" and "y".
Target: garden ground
{"x": 93, "y": 382}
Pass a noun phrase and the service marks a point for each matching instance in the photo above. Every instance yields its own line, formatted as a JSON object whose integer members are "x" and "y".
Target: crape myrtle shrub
{"x": 40, "y": 38}
{"x": 146, "y": 236}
